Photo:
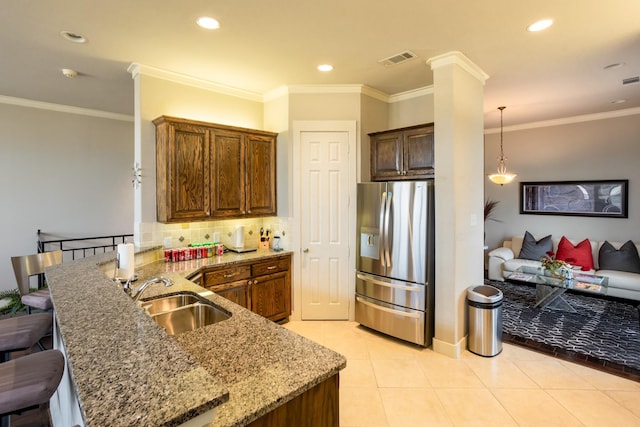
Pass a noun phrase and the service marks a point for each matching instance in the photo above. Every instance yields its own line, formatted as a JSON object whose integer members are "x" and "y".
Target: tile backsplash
{"x": 151, "y": 234}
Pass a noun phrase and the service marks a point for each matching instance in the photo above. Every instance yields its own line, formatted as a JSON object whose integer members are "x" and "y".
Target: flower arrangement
{"x": 551, "y": 263}
{"x": 554, "y": 265}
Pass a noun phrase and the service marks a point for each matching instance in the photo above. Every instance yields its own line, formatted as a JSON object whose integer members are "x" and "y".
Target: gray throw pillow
{"x": 535, "y": 249}
{"x": 624, "y": 259}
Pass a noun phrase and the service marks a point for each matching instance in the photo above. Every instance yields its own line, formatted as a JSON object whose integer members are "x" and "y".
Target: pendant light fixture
{"x": 502, "y": 177}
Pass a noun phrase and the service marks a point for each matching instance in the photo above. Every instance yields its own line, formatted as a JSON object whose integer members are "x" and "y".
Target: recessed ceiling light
{"x": 543, "y": 24}
{"x": 613, "y": 66}
{"x": 618, "y": 101}
{"x": 208, "y": 23}
{"x": 73, "y": 37}
{"x": 325, "y": 68}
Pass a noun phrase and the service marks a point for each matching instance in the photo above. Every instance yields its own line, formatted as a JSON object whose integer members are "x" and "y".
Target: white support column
{"x": 459, "y": 187}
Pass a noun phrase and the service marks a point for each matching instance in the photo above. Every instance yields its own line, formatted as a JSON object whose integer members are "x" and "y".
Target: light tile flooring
{"x": 391, "y": 383}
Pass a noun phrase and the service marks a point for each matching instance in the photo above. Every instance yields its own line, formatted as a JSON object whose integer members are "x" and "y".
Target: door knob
{"x": 305, "y": 250}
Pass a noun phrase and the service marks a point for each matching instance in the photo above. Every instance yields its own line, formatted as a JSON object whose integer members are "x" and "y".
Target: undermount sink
{"x": 168, "y": 303}
{"x": 183, "y": 312}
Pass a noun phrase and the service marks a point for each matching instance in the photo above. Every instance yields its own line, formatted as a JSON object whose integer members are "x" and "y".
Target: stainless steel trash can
{"x": 485, "y": 320}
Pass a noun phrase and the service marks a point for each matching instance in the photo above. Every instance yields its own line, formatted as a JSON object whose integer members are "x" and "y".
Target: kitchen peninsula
{"x": 125, "y": 370}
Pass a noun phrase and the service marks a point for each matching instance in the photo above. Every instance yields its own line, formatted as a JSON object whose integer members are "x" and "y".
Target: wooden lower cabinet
{"x": 237, "y": 292}
{"x": 268, "y": 296}
{"x": 316, "y": 407}
{"x": 262, "y": 286}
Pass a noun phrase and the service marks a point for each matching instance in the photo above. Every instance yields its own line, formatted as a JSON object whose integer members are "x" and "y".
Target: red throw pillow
{"x": 579, "y": 254}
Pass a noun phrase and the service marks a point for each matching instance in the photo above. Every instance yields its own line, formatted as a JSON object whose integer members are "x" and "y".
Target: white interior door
{"x": 325, "y": 223}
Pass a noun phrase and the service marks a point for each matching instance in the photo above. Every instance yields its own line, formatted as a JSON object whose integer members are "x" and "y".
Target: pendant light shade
{"x": 502, "y": 177}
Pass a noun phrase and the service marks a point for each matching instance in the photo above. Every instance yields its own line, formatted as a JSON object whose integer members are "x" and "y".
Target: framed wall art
{"x": 606, "y": 198}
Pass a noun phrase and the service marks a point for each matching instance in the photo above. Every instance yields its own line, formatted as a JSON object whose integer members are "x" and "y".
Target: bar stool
{"x": 28, "y": 382}
{"x": 31, "y": 265}
{"x": 22, "y": 332}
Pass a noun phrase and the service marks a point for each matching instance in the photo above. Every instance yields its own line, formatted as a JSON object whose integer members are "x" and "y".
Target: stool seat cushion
{"x": 39, "y": 299}
{"x": 30, "y": 380}
{"x": 22, "y": 332}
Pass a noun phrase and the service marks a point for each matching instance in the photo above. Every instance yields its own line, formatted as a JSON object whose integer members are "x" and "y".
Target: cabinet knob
{"x": 305, "y": 250}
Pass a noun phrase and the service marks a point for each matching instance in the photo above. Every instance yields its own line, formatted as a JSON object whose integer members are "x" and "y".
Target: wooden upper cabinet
{"x": 182, "y": 172}
{"x": 400, "y": 154}
{"x": 206, "y": 171}
{"x": 228, "y": 154}
{"x": 261, "y": 175}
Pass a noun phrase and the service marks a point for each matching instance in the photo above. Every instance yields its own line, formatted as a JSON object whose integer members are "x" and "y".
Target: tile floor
{"x": 391, "y": 383}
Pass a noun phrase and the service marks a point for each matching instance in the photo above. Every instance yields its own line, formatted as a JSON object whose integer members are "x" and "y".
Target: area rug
{"x": 603, "y": 333}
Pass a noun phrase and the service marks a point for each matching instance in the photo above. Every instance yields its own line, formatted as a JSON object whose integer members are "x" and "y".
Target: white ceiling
{"x": 263, "y": 45}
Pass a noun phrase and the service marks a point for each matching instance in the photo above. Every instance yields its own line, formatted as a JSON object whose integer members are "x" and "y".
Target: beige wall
{"x": 597, "y": 149}
{"x": 276, "y": 115}
{"x": 412, "y": 111}
{"x": 64, "y": 173}
{"x": 375, "y": 117}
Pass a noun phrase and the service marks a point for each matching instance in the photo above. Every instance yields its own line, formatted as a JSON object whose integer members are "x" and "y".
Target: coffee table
{"x": 549, "y": 290}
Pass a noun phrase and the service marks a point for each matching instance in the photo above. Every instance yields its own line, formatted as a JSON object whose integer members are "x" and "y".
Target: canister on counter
{"x": 167, "y": 255}
{"x": 220, "y": 249}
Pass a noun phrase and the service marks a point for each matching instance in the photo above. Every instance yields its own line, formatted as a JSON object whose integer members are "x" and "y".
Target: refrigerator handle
{"x": 383, "y": 203}
{"x": 387, "y": 214}
{"x": 415, "y": 315}
{"x": 371, "y": 279}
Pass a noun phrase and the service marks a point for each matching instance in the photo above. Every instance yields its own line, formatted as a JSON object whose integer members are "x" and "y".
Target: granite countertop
{"x": 128, "y": 371}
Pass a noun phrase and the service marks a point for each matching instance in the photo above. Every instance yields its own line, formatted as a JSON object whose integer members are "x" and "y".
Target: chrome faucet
{"x": 135, "y": 294}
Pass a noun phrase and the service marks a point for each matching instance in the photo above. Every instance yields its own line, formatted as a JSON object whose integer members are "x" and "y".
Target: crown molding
{"x": 567, "y": 120}
{"x": 21, "y": 102}
{"x": 414, "y": 93}
{"x": 276, "y": 93}
{"x": 136, "y": 69}
{"x": 459, "y": 59}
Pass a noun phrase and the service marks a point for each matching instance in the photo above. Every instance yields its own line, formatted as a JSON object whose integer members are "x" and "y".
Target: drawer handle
{"x": 388, "y": 310}
{"x": 272, "y": 267}
{"x": 226, "y": 276}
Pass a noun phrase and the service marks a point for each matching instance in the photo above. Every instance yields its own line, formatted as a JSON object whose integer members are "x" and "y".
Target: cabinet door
{"x": 228, "y": 174}
{"x": 237, "y": 292}
{"x": 418, "y": 152}
{"x": 187, "y": 164}
{"x": 261, "y": 175}
{"x": 269, "y": 296}
{"x": 386, "y": 156}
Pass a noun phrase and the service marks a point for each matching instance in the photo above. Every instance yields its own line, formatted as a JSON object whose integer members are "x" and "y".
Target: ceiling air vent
{"x": 630, "y": 80}
{"x": 398, "y": 58}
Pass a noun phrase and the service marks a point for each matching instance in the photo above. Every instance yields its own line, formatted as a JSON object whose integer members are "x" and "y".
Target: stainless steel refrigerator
{"x": 395, "y": 259}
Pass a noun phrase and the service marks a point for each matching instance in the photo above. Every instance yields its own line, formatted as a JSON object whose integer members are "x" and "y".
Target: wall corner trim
{"x": 29, "y": 103}
{"x": 568, "y": 120}
{"x": 136, "y": 69}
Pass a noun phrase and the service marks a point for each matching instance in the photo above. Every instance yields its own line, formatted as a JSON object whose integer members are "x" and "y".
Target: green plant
{"x": 489, "y": 208}
{"x": 13, "y": 304}
{"x": 550, "y": 262}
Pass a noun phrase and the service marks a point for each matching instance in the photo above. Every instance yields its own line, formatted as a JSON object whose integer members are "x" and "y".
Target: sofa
{"x": 621, "y": 284}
